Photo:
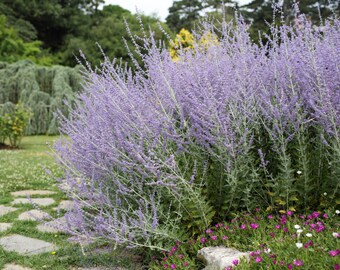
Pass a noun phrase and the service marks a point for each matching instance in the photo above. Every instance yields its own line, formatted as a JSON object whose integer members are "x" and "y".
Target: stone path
{"x": 4, "y": 210}
{"x": 12, "y": 266}
{"x": 24, "y": 245}
{"x": 37, "y": 201}
{"x": 25, "y": 193}
{"x": 27, "y": 246}
{"x": 5, "y": 226}
{"x": 34, "y": 215}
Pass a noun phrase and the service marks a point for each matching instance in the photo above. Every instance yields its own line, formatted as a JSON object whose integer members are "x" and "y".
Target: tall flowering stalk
{"x": 158, "y": 154}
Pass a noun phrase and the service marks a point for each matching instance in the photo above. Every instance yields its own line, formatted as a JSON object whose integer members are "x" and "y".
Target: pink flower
{"x": 270, "y": 217}
{"x": 285, "y": 229}
{"x": 254, "y": 226}
{"x": 208, "y": 231}
{"x": 164, "y": 259}
{"x": 283, "y": 221}
{"x": 325, "y": 215}
{"x": 334, "y": 253}
{"x": 203, "y": 240}
{"x": 274, "y": 262}
{"x": 277, "y": 226}
{"x": 315, "y": 214}
{"x": 235, "y": 262}
{"x": 165, "y": 266}
{"x": 290, "y": 213}
{"x": 173, "y": 249}
{"x": 213, "y": 237}
{"x": 243, "y": 227}
{"x": 226, "y": 227}
{"x": 298, "y": 262}
{"x": 229, "y": 268}
{"x": 186, "y": 264}
{"x": 320, "y": 228}
{"x": 258, "y": 259}
{"x": 282, "y": 263}
{"x": 336, "y": 267}
{"x": 181, "y": 256}
{"x": 224, "y": 237}
{"x": 173, "y": 266}
{"x": 289, "y": 266}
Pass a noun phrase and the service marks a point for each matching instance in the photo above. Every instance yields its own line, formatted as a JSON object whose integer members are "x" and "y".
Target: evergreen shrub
{"x": 13, "y": 120}
{"x": 159, "y": 154}
{"x": 42, "y": 89}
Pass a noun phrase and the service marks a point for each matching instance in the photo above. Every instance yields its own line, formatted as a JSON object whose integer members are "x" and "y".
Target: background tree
{"x": 108, "y": 31}
{"x": 14, "y": 48}
{"x": 185, "y": 13}
{"x": 260, "y": 12}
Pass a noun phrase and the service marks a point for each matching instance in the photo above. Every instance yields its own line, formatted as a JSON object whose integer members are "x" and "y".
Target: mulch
{"x": 7, "y": 147}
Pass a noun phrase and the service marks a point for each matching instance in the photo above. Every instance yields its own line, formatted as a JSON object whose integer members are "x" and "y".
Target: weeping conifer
{"x": 43, "y": 89}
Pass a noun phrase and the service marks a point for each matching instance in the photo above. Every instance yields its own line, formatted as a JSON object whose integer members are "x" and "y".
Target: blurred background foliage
{"x": 40, "y": 41}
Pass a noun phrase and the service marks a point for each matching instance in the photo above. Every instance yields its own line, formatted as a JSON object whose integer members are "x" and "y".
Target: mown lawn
{"x": 26, "y": 169}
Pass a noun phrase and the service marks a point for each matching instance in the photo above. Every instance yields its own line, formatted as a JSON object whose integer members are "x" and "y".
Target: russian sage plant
{"x": 155, "y": 155}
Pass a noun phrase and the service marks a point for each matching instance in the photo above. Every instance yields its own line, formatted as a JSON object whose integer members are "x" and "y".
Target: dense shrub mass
{"x": 13, "y": 121}
{"x": 42, "y": 89}
{"x": 160, "y": 154}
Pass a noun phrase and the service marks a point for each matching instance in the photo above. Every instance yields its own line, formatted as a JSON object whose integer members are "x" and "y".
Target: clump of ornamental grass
{"x": 157, "y": 154}
{"x": 283, "y": 241}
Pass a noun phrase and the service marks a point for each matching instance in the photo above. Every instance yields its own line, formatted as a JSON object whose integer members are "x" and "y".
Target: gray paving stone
{"x": 12, "y": 266}
{"x": 65, "y": 205}
{"x": 25, "y": 193}
{"x": 34, "y": 215}
{"x": 5, "y": 226}
{"x": 6, "y": 209}
{"x": 53, "y": 226}
{"x": 26, "y": 245}
{"x": 38, "y": 201}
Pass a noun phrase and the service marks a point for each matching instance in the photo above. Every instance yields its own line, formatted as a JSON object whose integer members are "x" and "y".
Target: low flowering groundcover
{"x": 283, "y": 241}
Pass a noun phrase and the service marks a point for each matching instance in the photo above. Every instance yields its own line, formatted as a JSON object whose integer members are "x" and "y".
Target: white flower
{"x": 299, "y": 231}
{"x": 297, "y": 227}
{"x": 337, "y": 212}
{"x": 299, "y": 245}
{"x": 267, "y": 250}
{"x": 336, "y": 235}
{"x": 325, "y": 194}
{"x": 299, "y": 172}
{"x": 309, "y": 235}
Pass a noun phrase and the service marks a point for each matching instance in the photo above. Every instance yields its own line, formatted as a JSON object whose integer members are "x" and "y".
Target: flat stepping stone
{"x": 34, "y": 215}
{"x": 30, "y": 192}
{"x": 65, "y": 205}
{"x": 12, "y": 266}
{"x": 37, "y": 201}
{"x": 54, "y": 226}
{"x": 6, "y": 209}
{"x": 5, "y": 226}
{"x": 26, "y": 245}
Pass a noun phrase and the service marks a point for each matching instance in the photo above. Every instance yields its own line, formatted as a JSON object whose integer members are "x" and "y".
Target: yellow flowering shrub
{"x": 185, "y": 40}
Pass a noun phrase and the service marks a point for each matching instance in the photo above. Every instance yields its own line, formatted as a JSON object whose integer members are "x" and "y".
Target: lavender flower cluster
{"x": 223, "y": 128}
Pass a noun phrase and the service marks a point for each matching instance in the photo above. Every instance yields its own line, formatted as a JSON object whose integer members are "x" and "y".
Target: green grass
{"x": 25, "y": 169}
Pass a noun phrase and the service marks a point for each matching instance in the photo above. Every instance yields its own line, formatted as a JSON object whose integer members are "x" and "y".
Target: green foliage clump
{"x": 14, "y": 48}
{"x": 42, "y": 89}
{"x": 13, "y": 120}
